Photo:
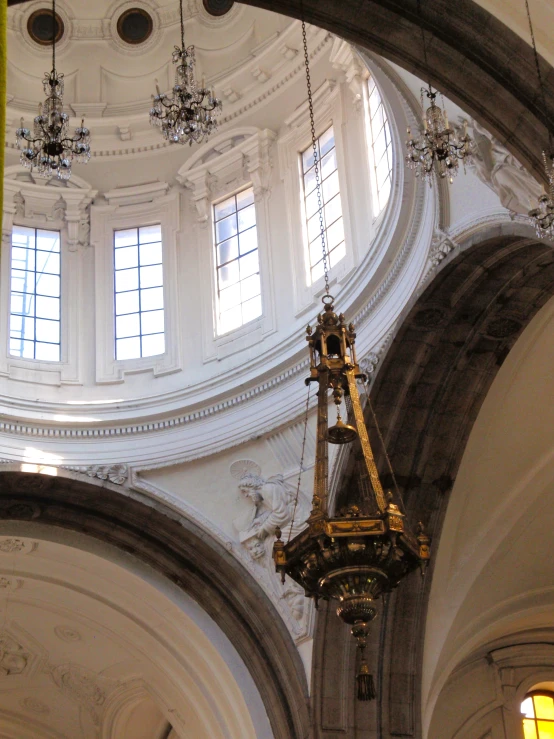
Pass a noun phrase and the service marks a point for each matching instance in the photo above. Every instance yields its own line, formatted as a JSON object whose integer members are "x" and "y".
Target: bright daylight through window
{"x": 35, "y": 294}
{"x": 538, "y": 710}
{"x": 381, "y": 148}
{"x": 332, "y": 210}
{"x": 238, "y": 272}
{"x": 139, "y": 296}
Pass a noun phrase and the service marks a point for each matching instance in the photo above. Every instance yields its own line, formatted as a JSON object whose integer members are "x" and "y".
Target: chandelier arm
{"x": 315, "y": 153}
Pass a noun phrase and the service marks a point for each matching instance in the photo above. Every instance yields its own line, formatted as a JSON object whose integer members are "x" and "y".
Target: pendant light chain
{"x": 54, "y": 34}
{"x": 316, "y": 157}
{"x": 182, "y": 25}
{"x": 301, "y": 470}
{"x": 423, "y": 40}
{"x": 539, "y": 74}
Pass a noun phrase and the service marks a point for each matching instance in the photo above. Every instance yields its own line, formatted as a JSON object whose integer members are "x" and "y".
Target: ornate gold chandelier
{"x": 188, "y": 113}
{"x": 355, "y": 556}
{"x": 543, "y": 215}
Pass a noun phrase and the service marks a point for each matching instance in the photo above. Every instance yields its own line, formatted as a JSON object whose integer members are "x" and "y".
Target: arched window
{"x": 538, "y": 712}
{"x": 381, "y": 147}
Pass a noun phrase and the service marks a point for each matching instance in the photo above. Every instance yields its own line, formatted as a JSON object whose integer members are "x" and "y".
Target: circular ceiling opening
{"x": 218, "y": 7}
{"x": 134, "y": 26}
{"x": 40, "y": 27}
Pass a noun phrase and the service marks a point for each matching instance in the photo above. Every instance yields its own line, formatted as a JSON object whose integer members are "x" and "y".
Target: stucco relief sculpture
{"x": 496, "y": 167}
{"x": 272, "y": 504}
{"x": 82, "y": 686}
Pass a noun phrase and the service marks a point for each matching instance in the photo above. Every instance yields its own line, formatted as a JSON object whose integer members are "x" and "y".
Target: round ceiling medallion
{"x": 134, "y": 26}
{"x": 218, "y": 7}
{"x": 40, "y": 27}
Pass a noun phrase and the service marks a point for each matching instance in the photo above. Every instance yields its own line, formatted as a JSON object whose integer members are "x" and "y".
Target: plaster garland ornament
{"x": 10, "y": 546}
{"x": 187, "y": 115}
{"x": 84, "y": 687}
{"x": 49, "y": 148}
{"x": 118, "y": 474}
{"x": 13, "y": 656}
{"x": 363, "y": 551}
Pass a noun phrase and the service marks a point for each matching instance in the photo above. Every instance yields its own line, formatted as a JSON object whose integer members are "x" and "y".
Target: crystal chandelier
{"x": 358, "y": 554}
{"x": 50, "y": 148}
{"x": 438, "y": 142}
{"x": 188, "y": 113}
{"x": 543, "y": 216}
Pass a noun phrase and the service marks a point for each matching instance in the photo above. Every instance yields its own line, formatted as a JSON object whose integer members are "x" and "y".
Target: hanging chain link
{"x": 301, "y": 470}
{"x": 54, "y": 34}
{"x": 316, "y": 159}
{"x": 539, "y": 75}
{"x": 182, "y": 26}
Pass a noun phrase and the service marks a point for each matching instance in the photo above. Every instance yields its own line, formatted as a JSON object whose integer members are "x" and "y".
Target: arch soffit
{"x": 452, "y": 339}
{"x": 470, "y": 57}
{"x": 187, "y": 556}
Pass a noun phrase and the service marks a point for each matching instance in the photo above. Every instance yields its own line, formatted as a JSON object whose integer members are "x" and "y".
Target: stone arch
{"x": 472, "y": 57}
{"x": 451, "y": 341}
{"x": 186, "y": 555}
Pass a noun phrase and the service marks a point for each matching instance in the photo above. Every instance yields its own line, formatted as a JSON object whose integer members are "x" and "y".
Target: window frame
{"x": 217, "y": 313}
{"x": 370, "y": 139}
{"x": 144, "y": 205}
{"x": 532, "y": 694}
{"x": 34, "y": 295}
{"x": 306, "y": 240}
{"x": 139, "y": 290}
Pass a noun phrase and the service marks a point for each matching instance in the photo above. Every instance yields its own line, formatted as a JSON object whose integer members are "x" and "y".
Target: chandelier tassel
{"x": 364, "y": 681}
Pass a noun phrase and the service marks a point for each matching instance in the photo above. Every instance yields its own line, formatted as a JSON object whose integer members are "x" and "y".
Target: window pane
{"x": 544, "y": 706}
{"x": 151, "y": 253}
{"x": 228, "y": 250}
{"x": 236, "y": 245}
{"x": 252, "y": 309}
{"x": 152, "y": 299}
{"x": 126, "y": 257}
{"x": 47, "y": 331}
{"x": 228, "y": 274}
{"x": 126, "y": 238}
{"x": 527, "y": 708}
{"x": 148, "y": 234}
{"x": 35, "y": 284}
{"x": 328, "y": 164}
{"x": 47, "y": 352}
{"x": 127, "y": 302}
{"x": 128, "y": 325}
{"x": 153, "y": 345}
{"x": 529, "y": 729}
{"x": 546, "y": 729}
{"x": 126, "y": 279}
{"x": 139, "y": 301}
{"x": 151, "y": 276}
{"x": 152, "y": 322}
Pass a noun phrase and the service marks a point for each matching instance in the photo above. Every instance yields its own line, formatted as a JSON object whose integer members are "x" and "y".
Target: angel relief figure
{"x": 272, "y": 504}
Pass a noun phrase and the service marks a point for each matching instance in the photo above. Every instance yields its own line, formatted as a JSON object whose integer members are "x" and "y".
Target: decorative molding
{"x": 14, "y": 657}
{"x": 67, "y": 633}
{"x": 118, "y": 474}
{"x": 34, "y": 705}
{"x": 17, "y": 546}
{"x": 84, "y": 687}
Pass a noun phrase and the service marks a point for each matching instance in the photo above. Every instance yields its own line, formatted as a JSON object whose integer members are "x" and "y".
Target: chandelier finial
{"x": 438, "y": 144}
{"x": 49, "y": 148}
{"x": 543, "y": 215}
{"x": 188, "y": 113}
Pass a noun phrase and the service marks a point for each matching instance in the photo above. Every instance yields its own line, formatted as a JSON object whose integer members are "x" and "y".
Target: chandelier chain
{"x": 54, "y": 34}
{"x": 301, "y": 470}
{"x": 382, "y": 441}
{"x": 316, "y": 157}
{"x": 539, "y": 74}
{"x": 425, "y": 61}
{"x": 182, "y": 25}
